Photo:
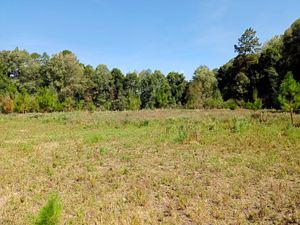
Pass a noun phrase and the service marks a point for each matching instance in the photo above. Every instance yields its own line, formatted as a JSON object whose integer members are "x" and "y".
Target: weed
{"x": 50, "y": 214}
{"x": 240, "y": 125}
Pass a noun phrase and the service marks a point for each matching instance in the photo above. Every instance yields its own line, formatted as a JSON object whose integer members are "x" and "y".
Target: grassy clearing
{"x": 151, "y": 167}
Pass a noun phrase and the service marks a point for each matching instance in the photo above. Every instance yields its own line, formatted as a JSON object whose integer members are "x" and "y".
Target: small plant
{"x": 186, "y": 134}
{"x": 144, "y": 123}
{"x": 230, "y": 104}
{"x": 50, "y": 214}
{"x": 240, "y": 125}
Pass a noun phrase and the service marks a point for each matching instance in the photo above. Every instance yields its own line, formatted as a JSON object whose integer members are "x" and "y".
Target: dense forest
{"x": 30, "y": 82}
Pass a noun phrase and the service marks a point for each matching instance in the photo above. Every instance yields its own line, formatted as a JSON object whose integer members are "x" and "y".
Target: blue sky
{"x": 169, "y": 35}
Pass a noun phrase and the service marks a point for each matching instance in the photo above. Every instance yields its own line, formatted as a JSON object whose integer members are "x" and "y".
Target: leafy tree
{"x": 117, "y": 83}
{"x": 118, "y": 98}
{"x": 269, "y": 70}
{"x": 240, "y": 76}
{"x": 24, "y": 69}
{"x": 291, "y": 49}
{"x": 155, "y": 90}
{"x": 132, "y": 90}
{"x": 248, "y": 43}
{"x": 65, "y": 73}
{"x": 203, "y": 87}
{"x": 193, "y": 95}
{"x": 102, "y": 90}
{"x": 289, "y": 96}
{"x": 178, "y": 85}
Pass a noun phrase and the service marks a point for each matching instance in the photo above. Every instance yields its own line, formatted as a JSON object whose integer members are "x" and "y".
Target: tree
{"x": 155, "y": 90}
{"x": 23, "y": 68}
{"x": 203, "y": 87}
{"x": 289, "y": 96}
{"x": 269, "y": 67}
{"x": 132, "y": 91}
{"x": 118, "y": 97}
{"x": 65, "y": 73}
{"x": 248, "y": 43}
{"x": 291, "y": 49}
{"x": 178, "y": 85}
{"x": 102, "y": 90}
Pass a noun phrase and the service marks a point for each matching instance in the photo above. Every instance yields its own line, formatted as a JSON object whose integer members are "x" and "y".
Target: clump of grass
{"x": 185, "y": 134}
{"x": 240, "y": 125}
{"x": 50, "y": 214}
{"x": 260, "y": 117}
{"x": 144, "y": 123}
{"x": 93, "y": 138}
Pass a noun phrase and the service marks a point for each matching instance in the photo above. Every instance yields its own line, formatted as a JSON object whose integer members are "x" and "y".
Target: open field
{"x": 152, "y": 167}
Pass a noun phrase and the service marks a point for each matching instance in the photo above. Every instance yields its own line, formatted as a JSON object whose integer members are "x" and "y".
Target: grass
{"x": 152, "y": 167}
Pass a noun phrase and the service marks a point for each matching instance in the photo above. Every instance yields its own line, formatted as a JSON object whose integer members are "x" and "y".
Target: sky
{"x": 132, "y": 35}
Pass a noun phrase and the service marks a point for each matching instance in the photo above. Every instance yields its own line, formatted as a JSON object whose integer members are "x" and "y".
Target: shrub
{"x": 214, "y": 103}
{"x": 230, "y": 104}
{"x": 79, "y": 105}
{"x": 50, "y": 214}
{"x": 68, "y": 104}
{"x": 6, "y": 104}
{"x": 91, "y": 107}
{"x": 47, "y": 99}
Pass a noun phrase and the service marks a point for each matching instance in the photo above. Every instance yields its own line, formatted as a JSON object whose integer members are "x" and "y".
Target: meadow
{"x": 152, "y": 167}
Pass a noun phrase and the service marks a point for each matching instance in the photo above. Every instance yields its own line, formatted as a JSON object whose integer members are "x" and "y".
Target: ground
{"x": 152, "y": 167}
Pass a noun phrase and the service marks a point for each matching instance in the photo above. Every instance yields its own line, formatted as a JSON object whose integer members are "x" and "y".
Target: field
{"x": 152, "y": 167}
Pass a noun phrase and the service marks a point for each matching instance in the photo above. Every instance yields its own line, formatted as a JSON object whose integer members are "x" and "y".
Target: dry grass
{"x": 152, "y": 167}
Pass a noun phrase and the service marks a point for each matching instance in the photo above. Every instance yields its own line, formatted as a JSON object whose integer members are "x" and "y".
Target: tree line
{"x": 255, "y": 78}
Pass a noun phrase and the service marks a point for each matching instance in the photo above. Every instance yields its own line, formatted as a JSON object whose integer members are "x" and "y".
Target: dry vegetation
{"x": 152, "y": 167}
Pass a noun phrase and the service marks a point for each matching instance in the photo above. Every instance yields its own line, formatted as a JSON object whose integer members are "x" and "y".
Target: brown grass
{"x": 152, "y": 167}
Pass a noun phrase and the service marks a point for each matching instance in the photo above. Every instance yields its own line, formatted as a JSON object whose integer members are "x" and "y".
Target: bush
{"x": 6, "y": 104}
{"x": 50, "y": 214}
{"x": 47, "y": 99}
{"x": 68, "y": 104}
{"x": 91, "y": 107}
{"x": 214, "y": 104}
{"x": 230, "y": 104}
{"x": 79, "y": 105}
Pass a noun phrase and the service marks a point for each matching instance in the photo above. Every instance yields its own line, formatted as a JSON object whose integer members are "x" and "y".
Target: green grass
{"x": 152, "y": 167}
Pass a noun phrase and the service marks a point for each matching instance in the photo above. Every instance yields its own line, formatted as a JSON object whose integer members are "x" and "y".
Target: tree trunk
{"x": 292, "y": 117}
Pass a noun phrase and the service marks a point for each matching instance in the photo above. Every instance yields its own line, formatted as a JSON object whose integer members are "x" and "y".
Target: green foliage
{"x": 291, "y": 49}
{"x": 230, "y": 104}
{"x": 68, "y": 104}
{"x": 248, "y": 43}
{"x": 91, "y": 107}
{"x": 177, "y": 85}
{"x": 203, "y": 88}
{"x": 65, "y": 74}
{"x": 240, "y": 125}
{"x": 40, "y": 83}
{"x": 50, "y": 214}
{"x": 155, "y": 90}
{"x": 101, "y": 89}
{"x": 289, "y": 96}
{"x": 47, "y": 99}
{"x": 257, "y": 102}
